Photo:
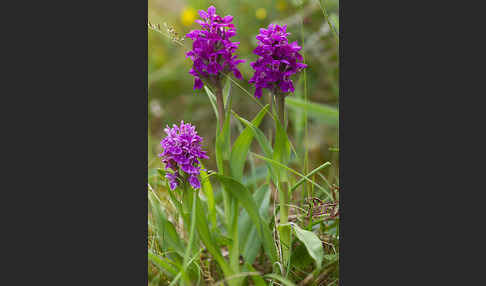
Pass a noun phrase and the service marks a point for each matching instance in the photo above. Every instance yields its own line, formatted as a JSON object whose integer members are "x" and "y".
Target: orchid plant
{"x": 235, "y": 235}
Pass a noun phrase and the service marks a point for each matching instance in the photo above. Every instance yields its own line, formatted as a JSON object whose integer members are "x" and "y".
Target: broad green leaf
{"x": 262, "y": 141}
{"x": 250, "y": 242}
{"x": 234, "y": 247}
{"x": 222, "y": 143}
{"x": 281, "y": 149}
{"x": 163, "y": 264}
{"x": 244, "y": 197}
{"x": 312, "y": 243}
{"x": 226, "y": 93}
{"x": 208, "y": 191}
{"x": 300, "y": 257}
{"x": 242, "y": 145}
{"x": 324, "y": 113}
{"x": 260, "y": 173}
{"x": 222, "y": 152}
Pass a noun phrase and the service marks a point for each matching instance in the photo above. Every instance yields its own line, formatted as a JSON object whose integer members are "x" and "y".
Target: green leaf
{"x": 165, "y": 229}
{"x": 221, "y": 239}
{"x": 208, "y": 191}
{"x": 226, "y": 93}
{"x": 212, "y": 99}
{"x": 250, "y": 242}
{"x": 334, "y": 18}
{"x": 162, "y": 173}
{"x": 257, "y": 279}
{"x": 262, "y": 141}
{"x": 331, "y": 257}
{"x": 187, "y": 253}
{"x": 222, "y": 143}
{"x": 242, "y": 145}
{"x": 280, "y": 165}
{"x": 300, "y": 257}
{"x": 324, "y": 113}
{"x": 309, "y": 175}
{"x": 312, "y": 243}
{"x": 245, "y": 198}
{"x": 164, "y": 264}
{"x": 260, "y": 173}
{"x": 206, "y": 238}
{"x": 281, "y": 149}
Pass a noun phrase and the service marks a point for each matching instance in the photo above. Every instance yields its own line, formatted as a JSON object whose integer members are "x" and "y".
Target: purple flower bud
{"x": 193, "y": 180}
{"x": 182, "y": 151}
{"x": 173, "y": 183}
{"x": 212, "y": 51}
{"x": 277, "y": 61}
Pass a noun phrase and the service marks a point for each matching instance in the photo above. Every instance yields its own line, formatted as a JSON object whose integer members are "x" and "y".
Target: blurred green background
{"x": 171, "y": 96}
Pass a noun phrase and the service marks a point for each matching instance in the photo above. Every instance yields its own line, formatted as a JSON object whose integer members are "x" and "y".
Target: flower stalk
{"x": 284, "y": 230}
{"x": 280, "y": 106}
{"x": 220, "y": 105}
{"x": 278, "y": 60}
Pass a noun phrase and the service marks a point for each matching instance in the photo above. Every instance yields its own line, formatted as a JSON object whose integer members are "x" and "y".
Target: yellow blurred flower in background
{"x": 188, "y": 16}
{"x": 261, "y": 13}
{"x": 281, "y": 5}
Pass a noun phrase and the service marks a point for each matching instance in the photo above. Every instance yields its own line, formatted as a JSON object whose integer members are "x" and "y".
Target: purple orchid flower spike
{"x": 212, "y": 50}
{"x": 277, "y": 61}
{"x": 181, "y": 154}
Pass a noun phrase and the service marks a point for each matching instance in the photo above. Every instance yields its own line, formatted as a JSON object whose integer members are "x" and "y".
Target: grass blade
{"x": 324, "y": 113}
{"x": 275, "y": 163}
{"x": 166, "y": 230}
{"x": 310, "y": 174}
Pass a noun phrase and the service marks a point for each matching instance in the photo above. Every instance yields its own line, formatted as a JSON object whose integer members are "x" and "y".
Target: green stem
{"x": 280, "y": 102}
{"x": 220, "y": 148}
{"x": 230, "y": 204}
{"x": 220, "y": 105}
{"x": 284, "y": 231}
{"x": 189, "y": 201}
{"x": 269, "y": 131}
